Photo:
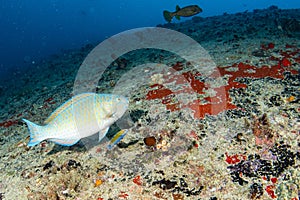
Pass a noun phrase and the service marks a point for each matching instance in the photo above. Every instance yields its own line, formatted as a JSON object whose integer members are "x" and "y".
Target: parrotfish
{"x": 81, "y": 116}
{"x": 182, "y": 12}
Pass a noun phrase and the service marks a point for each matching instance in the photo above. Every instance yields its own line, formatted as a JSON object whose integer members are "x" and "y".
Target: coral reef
{"x": 232, "y": 133}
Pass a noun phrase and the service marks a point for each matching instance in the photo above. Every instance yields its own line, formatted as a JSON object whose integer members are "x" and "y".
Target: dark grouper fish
{"x": 182, "y": 12}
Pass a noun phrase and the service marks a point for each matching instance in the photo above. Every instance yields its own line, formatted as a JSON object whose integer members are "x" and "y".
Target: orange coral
{"x": 98, "y": 182}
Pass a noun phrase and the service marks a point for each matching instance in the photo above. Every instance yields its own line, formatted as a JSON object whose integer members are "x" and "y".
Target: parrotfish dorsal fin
{"x": 66, "y": 105}
{"x": 177, "y": 8}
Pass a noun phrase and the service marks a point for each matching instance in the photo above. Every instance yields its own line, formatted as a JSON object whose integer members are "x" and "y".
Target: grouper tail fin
{"x": 36, "y": 133}
{"x": 168, "y": 15}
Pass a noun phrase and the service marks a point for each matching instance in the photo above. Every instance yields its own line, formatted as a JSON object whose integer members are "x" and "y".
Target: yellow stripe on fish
{"x": 117, "y": 138}
{"x": 81, "y": 116}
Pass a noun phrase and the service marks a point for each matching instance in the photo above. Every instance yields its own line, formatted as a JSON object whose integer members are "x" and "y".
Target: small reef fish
{"x": 187, "y": 11}
{"x": 81, "y": 116}
{"x": 117, "y": 138}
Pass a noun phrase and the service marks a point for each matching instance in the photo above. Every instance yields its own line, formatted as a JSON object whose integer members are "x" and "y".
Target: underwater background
{"x": 107, "y": 100}
{"x": 32, "y": 30}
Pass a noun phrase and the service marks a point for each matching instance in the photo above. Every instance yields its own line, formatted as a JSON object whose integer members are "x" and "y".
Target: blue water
{"x": 31, "y": 30}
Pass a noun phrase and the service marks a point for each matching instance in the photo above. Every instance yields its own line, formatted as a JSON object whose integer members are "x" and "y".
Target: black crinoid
{"x": 255, "y": 166}
{"x": 1, "y": 195}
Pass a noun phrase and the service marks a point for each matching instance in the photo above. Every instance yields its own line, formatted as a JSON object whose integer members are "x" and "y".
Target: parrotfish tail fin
{"x": 168, "y": 16}
{"x": 36, "y": 133}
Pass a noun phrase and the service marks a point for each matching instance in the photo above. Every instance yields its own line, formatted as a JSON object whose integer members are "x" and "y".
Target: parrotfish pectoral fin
{"x": 117, "y": 138}
{"x": 36, "y": 133}
{"x": 103, "y": 133}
